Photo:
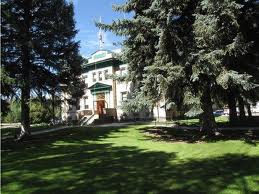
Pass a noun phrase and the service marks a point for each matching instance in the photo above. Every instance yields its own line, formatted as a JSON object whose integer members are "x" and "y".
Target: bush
{"x": 14, "y": 114}
{"x": 39, "y": 112}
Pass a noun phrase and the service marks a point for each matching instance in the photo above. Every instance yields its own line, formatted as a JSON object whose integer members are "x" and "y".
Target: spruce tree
{"x": 160, "y": 36}
{"x": 189, "y": 52}
{"x": 38, "y": 48}
{"x": 224, "y": 46}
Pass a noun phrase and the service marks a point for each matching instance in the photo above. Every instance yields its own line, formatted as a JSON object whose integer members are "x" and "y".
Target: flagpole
{"x": 100, "y": 34}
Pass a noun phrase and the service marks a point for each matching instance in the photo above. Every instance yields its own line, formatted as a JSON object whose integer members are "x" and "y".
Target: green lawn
{"x": 125, "y": 160}
{"x": 219, "y": 120}
{"x": 193, "y": 122}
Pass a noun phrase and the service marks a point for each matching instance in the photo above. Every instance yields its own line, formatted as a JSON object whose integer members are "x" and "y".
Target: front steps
{"x": 96, "y": 119}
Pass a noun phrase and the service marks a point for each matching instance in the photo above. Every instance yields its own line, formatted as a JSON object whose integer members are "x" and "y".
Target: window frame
{"x": 106, "y": 73}
{"x": 94, "y": 76}
{"x": 100, "y": 78}
{"x": 123, "y": 98}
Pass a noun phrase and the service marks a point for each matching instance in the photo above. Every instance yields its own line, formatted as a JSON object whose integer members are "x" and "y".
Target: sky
{"x": 88, "y": 11}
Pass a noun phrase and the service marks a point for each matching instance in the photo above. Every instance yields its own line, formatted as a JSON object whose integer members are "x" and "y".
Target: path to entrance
{"x": 69, "y": 127}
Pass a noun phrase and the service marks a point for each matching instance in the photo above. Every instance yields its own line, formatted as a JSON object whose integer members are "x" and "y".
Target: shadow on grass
{"x": 222, "y": 121}
{"x": 193, "y": 135}
{"x": 73, "y": 163}
{"x": 76, "y": 133}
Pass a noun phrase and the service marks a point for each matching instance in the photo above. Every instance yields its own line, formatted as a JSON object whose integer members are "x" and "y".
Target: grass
{"x": 125, "y": 160}
{"x": 194, "y": 122}
{"x": 190, "y": 122}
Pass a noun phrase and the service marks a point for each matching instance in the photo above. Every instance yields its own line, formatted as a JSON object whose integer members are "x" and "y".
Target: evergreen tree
{"x": 192, "y": 52}
{"x": 157, "y": 46}
{"x": 223, "y": 49}
{"x": 38, "y": 49}
{"x": 135, "y": 104}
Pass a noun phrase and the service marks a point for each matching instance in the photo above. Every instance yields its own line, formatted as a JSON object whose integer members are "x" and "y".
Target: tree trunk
{"x": 232, "y": 107}
{"x": 241, "y": 106}
{"x": 26, "y": 73}
{"x": 152, "y": 112}
{"x": 25, "y": 94}
{"x": 248, "y": 107}
{"x": 25, "y": 111}
{"x": 208, "y": 124}
{"x": 53, "y": 107}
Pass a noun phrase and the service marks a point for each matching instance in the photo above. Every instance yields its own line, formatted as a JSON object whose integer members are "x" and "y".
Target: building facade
{"x": 103, "y": 95}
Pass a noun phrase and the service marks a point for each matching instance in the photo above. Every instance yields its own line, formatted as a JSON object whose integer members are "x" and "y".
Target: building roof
{"x": 100, "y": 59}
{"x": 108, "y": 51}
{"x": 97, "y": 87}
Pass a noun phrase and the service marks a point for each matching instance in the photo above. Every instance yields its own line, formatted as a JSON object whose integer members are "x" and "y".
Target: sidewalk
{"x": 75, "y": 126}
{"x": 43, "y": 131}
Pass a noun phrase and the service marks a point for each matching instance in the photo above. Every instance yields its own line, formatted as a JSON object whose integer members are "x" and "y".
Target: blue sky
{"x": 86, "y": 12}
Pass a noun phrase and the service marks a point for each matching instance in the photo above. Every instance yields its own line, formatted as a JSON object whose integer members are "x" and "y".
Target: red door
{"x": 100, "y": 106}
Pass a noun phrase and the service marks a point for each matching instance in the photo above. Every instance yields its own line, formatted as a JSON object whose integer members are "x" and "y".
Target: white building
{"x": 103, "y": 95}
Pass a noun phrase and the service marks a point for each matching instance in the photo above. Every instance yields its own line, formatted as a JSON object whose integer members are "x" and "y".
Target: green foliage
{"x": 135, "y": 104}
{"x": 7, "y": 90}
{"x": 39, "y": 52}
{"x": 197, "y": 49}
{"x": 14, "y": 114}
{"x": 119, "y": 78}
{"x": 40, "y": 111}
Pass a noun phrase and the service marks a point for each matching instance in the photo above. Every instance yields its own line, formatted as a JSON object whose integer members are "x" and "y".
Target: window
{"x": 86, "y": 106}
{"x": 100, "y": 76}
{"x": 122, "y": 71}
{"x": 106, "y": 74}
{"x": 94, "y": 77}
{"x": 123, "y": 96}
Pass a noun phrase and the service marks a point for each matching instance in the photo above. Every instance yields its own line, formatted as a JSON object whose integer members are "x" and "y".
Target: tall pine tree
{"x": 191, "y": 52}
{"x": 38, "y": 49}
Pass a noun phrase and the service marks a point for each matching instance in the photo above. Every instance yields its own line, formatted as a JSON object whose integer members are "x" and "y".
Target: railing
{"x": 87, "y": 121}
{"x": 82, "y": 120}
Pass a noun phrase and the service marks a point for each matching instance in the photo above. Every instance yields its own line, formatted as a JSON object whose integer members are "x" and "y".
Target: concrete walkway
{"x": 43, "y": 131}
{"x": 69, "y": 127}
{"x": 75, "y": 126}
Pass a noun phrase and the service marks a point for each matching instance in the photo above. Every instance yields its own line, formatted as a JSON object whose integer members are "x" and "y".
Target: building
{"x": 103, "y": 95}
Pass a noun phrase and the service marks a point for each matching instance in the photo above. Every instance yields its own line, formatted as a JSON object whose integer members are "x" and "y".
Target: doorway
{"x": 100, "y": 107}
{"x": 100, "y": 103}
